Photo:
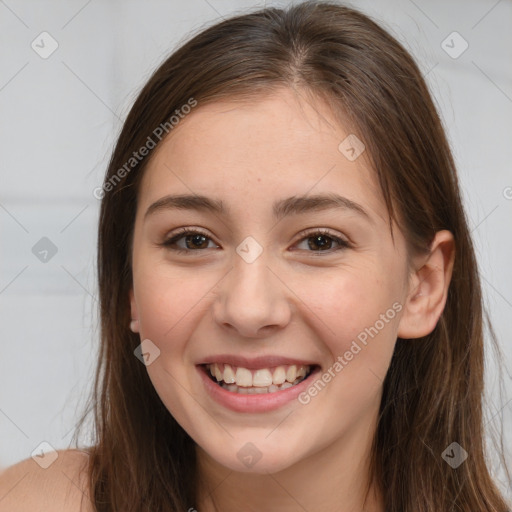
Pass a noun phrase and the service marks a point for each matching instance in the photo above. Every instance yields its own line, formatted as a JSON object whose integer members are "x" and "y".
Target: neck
{"x": 333, "y": 479}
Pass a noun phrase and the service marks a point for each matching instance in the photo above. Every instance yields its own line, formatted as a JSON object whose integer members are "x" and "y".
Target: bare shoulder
{"x": 62, "y": 486}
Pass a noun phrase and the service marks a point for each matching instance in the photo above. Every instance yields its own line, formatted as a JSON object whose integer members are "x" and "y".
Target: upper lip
{"x": 254, "y": 363}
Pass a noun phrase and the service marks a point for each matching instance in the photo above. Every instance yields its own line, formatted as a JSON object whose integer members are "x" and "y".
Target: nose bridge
{"x": 251, "y": 297}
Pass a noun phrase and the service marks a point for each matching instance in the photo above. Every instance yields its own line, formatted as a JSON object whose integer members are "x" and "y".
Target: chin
{"x": 256, "y": 457}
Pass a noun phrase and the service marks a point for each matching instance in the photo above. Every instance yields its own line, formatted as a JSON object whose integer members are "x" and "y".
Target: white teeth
{"x": 229, "y": 375}
{"x": 255, "y": 391}
{"x": 245, "y": 381}
{"x": 291, "y": 373}
{"x": 262, "y": 378}
{"x": 279, "y": 375}
{"x": 301, "y": 372}
{"x": 243, "y": 377}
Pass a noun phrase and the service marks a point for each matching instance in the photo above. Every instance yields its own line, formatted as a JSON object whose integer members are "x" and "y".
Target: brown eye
{"x": 196, "y": 241}
{"x": 188, "y": 241}
{"x": 320, "y": 241}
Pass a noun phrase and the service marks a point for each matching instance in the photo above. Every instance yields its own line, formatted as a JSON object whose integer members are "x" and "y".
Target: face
{"x": 267, "y": 280}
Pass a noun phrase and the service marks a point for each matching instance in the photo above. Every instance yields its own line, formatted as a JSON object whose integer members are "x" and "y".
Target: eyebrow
{"x": 290, "y": 206}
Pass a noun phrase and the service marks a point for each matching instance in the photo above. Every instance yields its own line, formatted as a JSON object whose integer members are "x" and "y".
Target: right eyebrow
{"x": 186, "y": 202}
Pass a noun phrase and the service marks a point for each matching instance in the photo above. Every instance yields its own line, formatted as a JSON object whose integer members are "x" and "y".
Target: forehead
{"x": 249, "y": 151}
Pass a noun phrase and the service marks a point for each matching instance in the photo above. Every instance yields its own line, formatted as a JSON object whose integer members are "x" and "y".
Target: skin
{"x": 294, "y": 300}
{"x": 60, "y": 487}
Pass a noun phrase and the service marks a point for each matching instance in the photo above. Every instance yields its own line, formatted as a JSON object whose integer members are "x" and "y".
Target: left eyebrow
{"x": 294, "y": 205}
{"x": 319, "y": 202}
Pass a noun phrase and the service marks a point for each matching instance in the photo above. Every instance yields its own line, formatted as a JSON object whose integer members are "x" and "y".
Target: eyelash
{"x": 183, "y": 232}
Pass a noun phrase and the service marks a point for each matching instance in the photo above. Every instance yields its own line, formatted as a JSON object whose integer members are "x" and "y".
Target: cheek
{"x": 167, "y": 302}
{"x": 350, "y": 302}
{"x": 358, "y": 315}
{"x": 171, "y": 303}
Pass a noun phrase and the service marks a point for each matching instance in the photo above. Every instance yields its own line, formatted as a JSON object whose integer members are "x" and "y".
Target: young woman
{"x": 290, "y": 305}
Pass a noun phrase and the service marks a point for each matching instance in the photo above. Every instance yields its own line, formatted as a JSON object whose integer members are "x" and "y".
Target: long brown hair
{"x": 432, "y": 395}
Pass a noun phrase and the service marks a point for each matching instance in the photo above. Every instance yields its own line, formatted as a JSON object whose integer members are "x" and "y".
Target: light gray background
{"x": 59, "y": 120}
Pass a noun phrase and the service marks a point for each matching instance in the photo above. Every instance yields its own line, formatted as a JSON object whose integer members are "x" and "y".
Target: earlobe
{"x": 134, "y": 324}
{"x": 429, "y": 288}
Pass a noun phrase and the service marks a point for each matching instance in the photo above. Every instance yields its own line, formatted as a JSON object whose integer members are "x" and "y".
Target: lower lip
{"x": 262, "y": 402}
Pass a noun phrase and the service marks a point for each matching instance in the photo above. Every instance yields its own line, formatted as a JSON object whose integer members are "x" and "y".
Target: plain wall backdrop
{"x": 69, "y": 72}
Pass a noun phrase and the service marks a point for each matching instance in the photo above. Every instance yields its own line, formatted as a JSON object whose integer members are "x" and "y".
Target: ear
{"x": 428, "y": 288}
{"x": 134, "y": 324}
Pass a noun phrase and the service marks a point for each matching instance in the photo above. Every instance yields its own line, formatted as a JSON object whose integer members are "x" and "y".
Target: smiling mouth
{"x": 251, "y": 382}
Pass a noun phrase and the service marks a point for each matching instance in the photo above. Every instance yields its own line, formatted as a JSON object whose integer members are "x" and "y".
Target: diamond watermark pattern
{"x": 249, "y": 249}
{"x": 45, "y": 455}
{"x": 351, "y": 147}
{"x": 454, "y": 45}
{"x": 147, "y": 352}
{"x": 44, "y": 45}
{"x": 455, "y": 455}
{"x": 44, "y": 250}
{"x": 249, "y": 455}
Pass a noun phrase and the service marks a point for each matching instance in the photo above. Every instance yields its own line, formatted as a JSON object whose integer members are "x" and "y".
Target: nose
{"x": 252, "y": 300}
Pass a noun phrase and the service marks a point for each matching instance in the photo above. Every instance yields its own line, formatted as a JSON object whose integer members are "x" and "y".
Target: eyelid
{"x": 174, "y": 237}
{"x": 341, "y": 240}
{"x": 323, "y": 231}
